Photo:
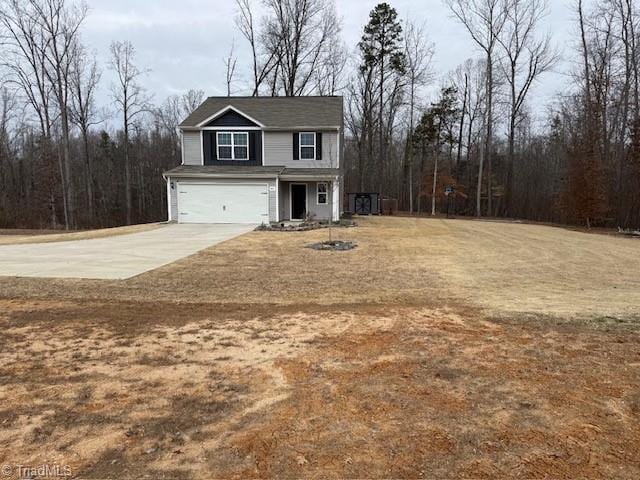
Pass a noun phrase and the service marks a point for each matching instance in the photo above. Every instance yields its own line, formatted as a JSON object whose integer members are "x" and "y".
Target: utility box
{"x": 364, "y": 203}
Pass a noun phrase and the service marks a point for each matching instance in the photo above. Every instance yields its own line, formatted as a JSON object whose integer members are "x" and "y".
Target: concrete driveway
{"x": 117, "y": 257}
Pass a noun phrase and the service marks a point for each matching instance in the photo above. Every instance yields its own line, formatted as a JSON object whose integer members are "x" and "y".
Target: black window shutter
{"x": 318, "y": 145}
{"x": 296, "y": 146}
{"x": 206, "y": 147}
{"x": 251, "y": 144}
{"x": 214, "y": 146}
{"x": 255, "y": 152}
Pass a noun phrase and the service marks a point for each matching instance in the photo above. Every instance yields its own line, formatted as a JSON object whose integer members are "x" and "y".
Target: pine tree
{"x": 381, "y": 49}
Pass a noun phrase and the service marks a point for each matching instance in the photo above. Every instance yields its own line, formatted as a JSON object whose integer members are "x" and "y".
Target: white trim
{"x": 308, "y": 178}
{"x": 294, "y": 128}
{"x": 326, "y": 193}
{"x": 224, "y": 110}
{"x": 277, "y": 199}
{"x": 315, "y": 148}
{"x": 338, "y": 152}
{"x": 226, "y": 129}
{"x": 182, "y": 146}
{"x": 201, "y": 148}
{"x": 232, "y": 145}
{"x": 225, "y": 175}
{"x": 169, "y": 217}
{"x": 306, "y": 199}
{"x": 301, "y": 128}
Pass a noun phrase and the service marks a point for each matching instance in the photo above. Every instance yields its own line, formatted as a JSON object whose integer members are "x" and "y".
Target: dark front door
{"x": 298, "y": 201}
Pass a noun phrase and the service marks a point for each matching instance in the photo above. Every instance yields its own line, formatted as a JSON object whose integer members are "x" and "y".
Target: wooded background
{"x": 63, "y": 166}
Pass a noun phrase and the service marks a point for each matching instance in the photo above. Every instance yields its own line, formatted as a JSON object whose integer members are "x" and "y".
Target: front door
{"x": 298, "y": 201}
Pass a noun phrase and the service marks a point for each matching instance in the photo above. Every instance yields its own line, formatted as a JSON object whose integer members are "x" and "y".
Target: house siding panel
{"x": 278, "y": 150}
{"x": 192, "y": 148}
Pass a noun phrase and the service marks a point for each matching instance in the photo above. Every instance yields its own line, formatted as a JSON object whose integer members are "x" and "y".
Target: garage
{"x": 223, "y": 203}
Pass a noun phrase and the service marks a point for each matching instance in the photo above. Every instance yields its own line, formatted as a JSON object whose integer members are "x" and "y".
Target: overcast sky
{"x": 184, "y": 42}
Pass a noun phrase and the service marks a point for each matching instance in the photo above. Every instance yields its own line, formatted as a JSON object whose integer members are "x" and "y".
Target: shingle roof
{"x": 268, "y": 171}
{"x": 302, "y": 172}
{"x": 275, "y": 112}
{"x": 224, "y": 170}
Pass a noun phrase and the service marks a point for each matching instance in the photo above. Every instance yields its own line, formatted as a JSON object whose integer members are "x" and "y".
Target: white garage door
{"x": 223, "y": 203}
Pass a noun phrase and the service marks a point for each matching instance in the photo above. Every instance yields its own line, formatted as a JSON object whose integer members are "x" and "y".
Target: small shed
{"x": 364, "y": 203}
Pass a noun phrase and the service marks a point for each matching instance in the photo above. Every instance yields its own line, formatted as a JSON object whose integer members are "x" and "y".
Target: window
{"x": 233, "y": 146}
{"x": 323, "y": 189}
{"x": 307, "y": 146}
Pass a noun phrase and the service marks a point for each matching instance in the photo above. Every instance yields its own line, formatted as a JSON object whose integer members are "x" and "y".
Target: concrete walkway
{"x": 110, "y": 258}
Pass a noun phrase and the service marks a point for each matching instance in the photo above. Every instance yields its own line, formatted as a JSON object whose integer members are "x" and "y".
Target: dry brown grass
{"x": 18, "y": 237}
{"x": 501, "y": 267}
{"x": 444, "y": 349}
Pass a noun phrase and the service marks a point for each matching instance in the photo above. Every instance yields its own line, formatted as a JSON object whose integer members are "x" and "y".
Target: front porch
{"x": 317, "y": 199}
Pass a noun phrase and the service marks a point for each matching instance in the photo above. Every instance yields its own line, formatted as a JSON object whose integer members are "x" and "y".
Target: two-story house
{"x": 259, "y": 160}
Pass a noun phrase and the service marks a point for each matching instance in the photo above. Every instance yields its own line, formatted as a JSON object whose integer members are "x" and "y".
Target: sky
{"x": 183, "y": 43}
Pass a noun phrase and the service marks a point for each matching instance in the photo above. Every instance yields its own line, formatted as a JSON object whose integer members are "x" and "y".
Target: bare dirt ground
{"x": 444, "y": 349}
{"x": 21, "y": 236}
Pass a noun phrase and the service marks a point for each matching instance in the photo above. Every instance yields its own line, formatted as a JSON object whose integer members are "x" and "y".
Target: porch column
{"x": 335, "y": 200}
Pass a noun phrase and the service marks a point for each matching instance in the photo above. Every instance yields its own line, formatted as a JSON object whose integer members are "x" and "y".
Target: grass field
{"x": 19, "y": 237}
{"x": 457, "y": 349}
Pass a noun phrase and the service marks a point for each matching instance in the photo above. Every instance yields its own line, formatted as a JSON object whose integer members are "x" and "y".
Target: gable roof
{"x": 273, "y": 112}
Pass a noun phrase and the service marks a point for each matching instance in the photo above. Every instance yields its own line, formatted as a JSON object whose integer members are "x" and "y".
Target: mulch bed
{"x": 304, "y": 226}
{"x": 338, "y": 245}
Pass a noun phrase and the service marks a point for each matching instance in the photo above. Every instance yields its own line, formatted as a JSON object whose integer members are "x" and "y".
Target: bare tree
{"x": 40, "y": 36}
{"x": 190, "y": 101}
{"x": 61, "y": 25}
{"x": 484, "y": 20}
{"x": 526, "y": 57}
{"x": 230, "y": 62}
{"x": 299, "y": 33}
{"x": 418, "y": 56}
{"x": 328, "y": 77}
{"x": 263, "y": 62}
{"x": 175, "y": 109}
{"x": 23, "y": 45}
{"x": 83, "y": 111}
{"x": 470, "y": 77}
{"x": 132, "y": 101}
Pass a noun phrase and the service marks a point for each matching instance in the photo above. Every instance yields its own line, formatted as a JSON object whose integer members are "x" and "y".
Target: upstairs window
{"x": 307, "y": 146}
{"x": 233, "y": 146}
{"x": 323, "y": 189}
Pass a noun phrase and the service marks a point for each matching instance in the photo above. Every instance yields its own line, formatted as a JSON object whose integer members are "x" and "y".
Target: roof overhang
{"x": 220, "y": 175}
{"x": 299, "y": 128}
{"x": 307, "y": 178}
{"x": 268, "y": 129}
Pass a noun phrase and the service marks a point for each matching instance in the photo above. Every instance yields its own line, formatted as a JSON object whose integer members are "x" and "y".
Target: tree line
{"x": 476, "y": 147}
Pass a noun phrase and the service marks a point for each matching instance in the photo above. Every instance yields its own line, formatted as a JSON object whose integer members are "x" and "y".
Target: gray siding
{"x": 278, "y": 150}
{"x": 321, "y": 212}
{"x": 270, "y": 182}
{"x": 192, "y": 148}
